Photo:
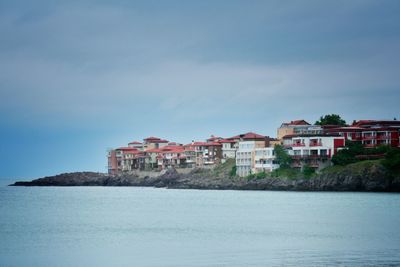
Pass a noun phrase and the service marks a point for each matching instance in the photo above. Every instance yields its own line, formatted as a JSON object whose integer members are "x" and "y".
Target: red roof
{"x": 134, "y": 143}
{"x": 127, "y": 149}
{"x": 253, "y": 136}
{"x": 203, "y": 144}
{"x": 247, "y": 136}
{"x": 366, "y": 123}
{"x": 153, "y": 150}
{"x": 213, "y": 138}
{"x": 153, "y": 139}
{"x": 295, "y": 123}
{"x": 226, "y": 141}
{"x": 299, "y": 122}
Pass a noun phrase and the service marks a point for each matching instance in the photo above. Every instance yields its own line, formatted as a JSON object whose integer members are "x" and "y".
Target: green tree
{"x": 233, "y": 171}
{"x": 392, "y": 160}
{"x": 282, "y": 157}
{"x": 332, "y": 119}
{"x": 308, "y": 171}
{"x": 348, "y": 154}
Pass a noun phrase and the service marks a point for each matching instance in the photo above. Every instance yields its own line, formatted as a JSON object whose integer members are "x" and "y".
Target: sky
{"x": 80, "y": 77}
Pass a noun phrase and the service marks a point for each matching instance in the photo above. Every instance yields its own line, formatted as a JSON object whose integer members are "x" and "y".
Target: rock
{"x": 354, "y": 177}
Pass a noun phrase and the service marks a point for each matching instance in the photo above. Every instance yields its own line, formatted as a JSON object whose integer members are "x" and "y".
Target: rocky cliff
{"x": 363, "y": 176}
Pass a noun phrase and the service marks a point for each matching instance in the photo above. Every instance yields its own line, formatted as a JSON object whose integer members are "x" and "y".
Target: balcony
{"x": 316, "y": 157}
{"x": 315, "y": 144}
{"x": 298, "y": 144}
{"x": 383, "y": 137}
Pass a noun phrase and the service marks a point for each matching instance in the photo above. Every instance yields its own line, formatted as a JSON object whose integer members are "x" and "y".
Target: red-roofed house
{"x": 228, "y": 149}
{"x": 154, "y": 142}
{"x": 314, "y": 150}
{"x": 297, "y": 127}
{"x": 370, "y": 133}
{"x": 214, "y": 139}
{"x": 136, "y": 144}
{"x": 206, "y": 153}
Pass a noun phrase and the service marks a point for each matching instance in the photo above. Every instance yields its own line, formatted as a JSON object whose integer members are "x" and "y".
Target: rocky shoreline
{"x": 371, "y": 177}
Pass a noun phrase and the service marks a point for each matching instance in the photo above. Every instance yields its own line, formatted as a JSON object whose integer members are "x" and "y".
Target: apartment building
{"x": 314, "y": 150}
{"x": 297, "y": 127}
{"x": 370, "y": 133}
{"x": 264, "y": 160}
{"x": 246, "y": 150}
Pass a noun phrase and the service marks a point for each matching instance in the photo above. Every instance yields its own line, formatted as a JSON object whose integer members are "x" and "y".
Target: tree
{"x": 332, "y": 119}
{"x": 348, "y": 154}
{"x": 308, "y": 171}
{"x": 282, "y": 157}
{"x": 392, "y": 160}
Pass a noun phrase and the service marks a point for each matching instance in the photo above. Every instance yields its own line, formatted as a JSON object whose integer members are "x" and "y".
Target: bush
{"x": 349, "y": 154}
{"x": 261, "y": 175}
{"x": 308, "y": 171}
{"x": 282, "y": 157}
{"x": 392, "y": 160}
{"x": 233, "y": 171}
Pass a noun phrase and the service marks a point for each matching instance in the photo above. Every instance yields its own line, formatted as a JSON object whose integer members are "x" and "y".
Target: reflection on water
{"x": 97, "y": 226}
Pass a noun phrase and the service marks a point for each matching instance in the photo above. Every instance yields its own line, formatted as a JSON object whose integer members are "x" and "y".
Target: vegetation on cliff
{"x": 388, "y": 157}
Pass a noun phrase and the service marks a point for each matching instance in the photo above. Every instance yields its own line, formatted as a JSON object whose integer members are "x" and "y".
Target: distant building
{"x": 136, "y": 144}
{"x": 264, "y": 160}
{"x": 370, "y": 133}
{"x": 206, "y": 153}
{"x": 228, "y": 149}
{"x": 247, "y": 143}
{"x": 297, "y": 127}
{"x": 314, "y": 150}
{"x": 153, "y": 143}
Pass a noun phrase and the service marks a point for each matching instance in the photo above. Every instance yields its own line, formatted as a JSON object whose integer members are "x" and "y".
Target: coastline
{"x": 366, "y": 177}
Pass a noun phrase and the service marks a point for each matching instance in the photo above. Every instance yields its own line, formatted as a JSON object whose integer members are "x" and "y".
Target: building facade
{"x": 313, "y": 150}
{"x": 370, "y": 133}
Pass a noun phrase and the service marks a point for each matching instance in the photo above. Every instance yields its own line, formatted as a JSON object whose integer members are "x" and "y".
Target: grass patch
{"x": 286, "y": 173}
{"x": 354, "y": 167}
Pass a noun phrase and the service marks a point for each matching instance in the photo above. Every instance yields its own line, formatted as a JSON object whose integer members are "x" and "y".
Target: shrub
{"x": 392, "y": 160}
{"x": 261, "y": 175}
{"x": 282, "y": 157}
{"x": 233, "y": 171}
{"x": 308, "y": 171}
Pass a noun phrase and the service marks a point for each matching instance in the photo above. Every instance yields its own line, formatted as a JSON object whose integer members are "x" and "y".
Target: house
{"x": 171, "y": 157}
{"x": 314, "y": 150}
{"x": 153, "y": 143}
{"x": 264, "y": 160}
{"x": 370, "y": 133}
{"x": 117, "y": 159}
{"x": 206, "y": 153}
{"x": 297, "y": 127}
{"x": 228, "y": 149}
{"x": 247, "y": 143}
{"x": 136, "y": 144}
{"x": 214, "y": 139}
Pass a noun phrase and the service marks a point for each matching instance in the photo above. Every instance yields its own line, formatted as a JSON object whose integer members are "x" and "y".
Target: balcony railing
{"x": 369, "y": 137}
{"x": 310, "y": 157}
{"x": 298, "y": 144}
{"x": 383, "y": 137}
{"x": 315, "y": 144}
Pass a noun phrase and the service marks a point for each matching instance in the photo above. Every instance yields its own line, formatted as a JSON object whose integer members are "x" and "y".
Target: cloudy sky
{"x": 78, "y": 77}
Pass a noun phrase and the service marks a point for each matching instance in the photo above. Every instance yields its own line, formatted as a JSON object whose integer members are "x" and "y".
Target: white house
{"x": 245, "y": 156}
{"x": 264, "y": 160}
{"x": 313, "y": 150}
{"x": 228, "y": 149}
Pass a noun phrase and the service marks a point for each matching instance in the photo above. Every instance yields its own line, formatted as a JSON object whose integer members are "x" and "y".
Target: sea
{"x": 137, "y": 226}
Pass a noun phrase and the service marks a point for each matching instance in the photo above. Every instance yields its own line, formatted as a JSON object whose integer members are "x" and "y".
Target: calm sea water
{"x": 106, "y": 226}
